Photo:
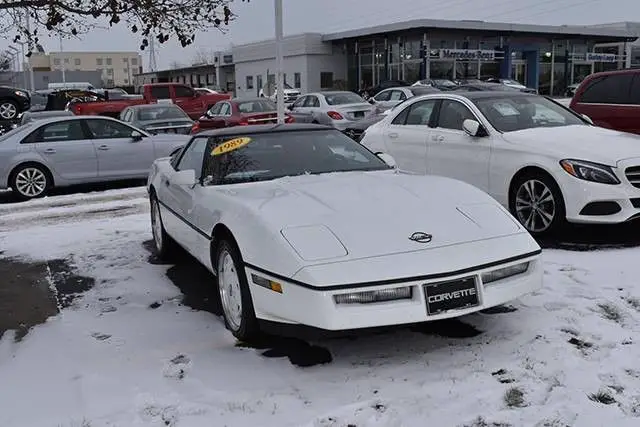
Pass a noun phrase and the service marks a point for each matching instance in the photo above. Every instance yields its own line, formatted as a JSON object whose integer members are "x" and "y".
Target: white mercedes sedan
{"x": 544, "y": 162}
{"x": 302, "y": 225}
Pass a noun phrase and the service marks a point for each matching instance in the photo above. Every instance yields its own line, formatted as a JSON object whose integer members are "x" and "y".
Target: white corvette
{"x": 303, "y": 225}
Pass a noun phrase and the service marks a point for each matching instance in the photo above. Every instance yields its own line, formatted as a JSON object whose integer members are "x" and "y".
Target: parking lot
{"x": 88, "y": 315}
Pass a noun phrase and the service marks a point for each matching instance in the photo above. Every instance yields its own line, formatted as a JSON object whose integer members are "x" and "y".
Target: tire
{"x": 164, "y": 244}
{"x": 9, "y": 109}
{"x": 30, "y": 181}
{"x": 239, "y": 315}
{"x": 542, "y": 214}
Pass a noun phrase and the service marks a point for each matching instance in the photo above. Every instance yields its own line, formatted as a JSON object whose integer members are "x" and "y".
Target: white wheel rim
{"x": 31, "y": 182}
{"x": 8, "y": 110}
{"x": 156, "y": 225}
{"x": 229, "y": 286}
{"x": 535, "y": 205}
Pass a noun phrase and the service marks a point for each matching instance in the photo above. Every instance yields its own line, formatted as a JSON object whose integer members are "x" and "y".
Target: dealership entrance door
{"x": 519, "y": 71}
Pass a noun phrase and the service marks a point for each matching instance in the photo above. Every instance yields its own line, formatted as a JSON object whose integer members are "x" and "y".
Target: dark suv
{"x": 13, "y": 102}
{"x": 611, "y": 99}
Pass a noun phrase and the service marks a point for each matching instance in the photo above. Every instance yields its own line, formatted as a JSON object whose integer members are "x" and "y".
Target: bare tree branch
{"x": 162, "y": 19}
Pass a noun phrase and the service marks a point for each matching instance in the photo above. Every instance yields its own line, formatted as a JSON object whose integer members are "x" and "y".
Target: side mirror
{"x": 587, "y": 118}
{"x": 386, "y": 112}
{"x": 472, "y": 128}
{"x": 136, "y": 136}
{"x": 185, "y": 178}
{"x": 372, "y": 101}
{"x": 290, "y": 107}
{"x": 388, "y": 159}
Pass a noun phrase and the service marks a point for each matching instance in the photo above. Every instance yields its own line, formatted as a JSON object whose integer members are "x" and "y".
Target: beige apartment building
{"x": 117, "y": 68}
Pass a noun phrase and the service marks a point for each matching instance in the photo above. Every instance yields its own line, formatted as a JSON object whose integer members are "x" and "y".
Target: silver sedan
{"x": 63, "y": 151}
{"x": 336, "y": 108}
{"x": 389, "y": 98}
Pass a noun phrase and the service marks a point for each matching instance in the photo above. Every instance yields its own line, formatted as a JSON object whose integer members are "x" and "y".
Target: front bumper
{"x": 317, "y": 307}
{"x": 583, "y": 199}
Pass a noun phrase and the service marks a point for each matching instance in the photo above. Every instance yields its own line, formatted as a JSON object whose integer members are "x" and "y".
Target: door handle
{"x": 167, "y": 183}
{"x": 437, "y": 138}
{"x": 50, "y": 151}
{"x": 392, "y": 135}
{"x": 103, "y": 147}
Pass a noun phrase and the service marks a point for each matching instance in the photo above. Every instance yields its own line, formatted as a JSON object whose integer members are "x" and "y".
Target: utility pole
{"x": 32, "y": 82}
{"x": 64, "y": 76}
{"x": 279, "y": 62}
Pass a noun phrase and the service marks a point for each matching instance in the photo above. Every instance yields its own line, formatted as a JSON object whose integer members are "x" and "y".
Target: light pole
{"x": 279, "y": 62}
{"x": 16, "y": 57}
{"x": 31, "y": 77}
{"x": 64, "y": 76}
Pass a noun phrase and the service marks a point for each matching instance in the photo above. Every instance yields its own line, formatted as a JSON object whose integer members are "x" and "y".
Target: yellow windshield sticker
{"x": 232, "y": 144}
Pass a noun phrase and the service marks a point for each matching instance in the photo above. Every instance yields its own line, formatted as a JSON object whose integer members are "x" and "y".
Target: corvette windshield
{"x": 266, "y": 156}
{"x": 510, "y": 114}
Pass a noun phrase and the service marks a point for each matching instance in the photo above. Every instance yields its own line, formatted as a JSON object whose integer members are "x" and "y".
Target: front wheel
{"x": 235, "y": 297}
{"x": 536, "y": 201}
{"x": 30, "y": 181}
{"x": 164, "y": 244}
{"x": 9, "y": 109}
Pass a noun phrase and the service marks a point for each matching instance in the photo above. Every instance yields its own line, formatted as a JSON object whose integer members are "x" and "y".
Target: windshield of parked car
{"x": 510, "y": 114}
{"x": 16, "y": 130}
{"x": 257, "y": 106}
{"x": 340, "y": 98}
{"x": 422, "y": 90}
{"x": 161, "y": 113}
{"x": 267, "y": 156}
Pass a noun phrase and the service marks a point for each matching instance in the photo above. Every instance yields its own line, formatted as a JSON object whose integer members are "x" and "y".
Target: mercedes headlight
{"x": 21, "y": 93}
{"x": 588, "y": 171}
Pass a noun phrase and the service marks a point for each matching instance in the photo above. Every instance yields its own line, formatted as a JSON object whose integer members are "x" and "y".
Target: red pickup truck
{"x": 193, "y": 103}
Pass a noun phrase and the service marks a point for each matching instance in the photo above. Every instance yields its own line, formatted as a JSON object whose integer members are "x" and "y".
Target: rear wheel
{"x": 235, "y": 297}
{"x": 537, "y": 202}
{"x": 30, "y": 181}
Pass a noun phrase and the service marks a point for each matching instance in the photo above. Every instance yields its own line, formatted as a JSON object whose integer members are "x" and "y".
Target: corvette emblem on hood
{"x": 421, "y": 237}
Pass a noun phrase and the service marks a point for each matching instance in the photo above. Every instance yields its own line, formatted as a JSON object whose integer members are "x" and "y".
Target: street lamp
{"x": 279, "y": 62}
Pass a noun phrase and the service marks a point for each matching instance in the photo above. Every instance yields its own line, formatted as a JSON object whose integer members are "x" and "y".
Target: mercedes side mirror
{"x": 136, "y": 136}
{"x": 473, "y": 128}
{"x": 388, "y": 159}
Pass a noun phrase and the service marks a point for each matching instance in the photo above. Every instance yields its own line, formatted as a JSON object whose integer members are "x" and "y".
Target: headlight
{"x": 503, "y": 273}
{"x": 588, "y": 171}
{"x": 368, "y": 297}
{"x": 21, "y": 93}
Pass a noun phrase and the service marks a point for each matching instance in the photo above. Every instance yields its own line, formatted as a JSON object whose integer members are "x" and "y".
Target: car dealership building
{"x": 548, "y": 58}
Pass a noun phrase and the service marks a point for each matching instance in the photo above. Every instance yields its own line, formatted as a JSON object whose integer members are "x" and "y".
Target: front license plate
{"x": 452, "y": 295}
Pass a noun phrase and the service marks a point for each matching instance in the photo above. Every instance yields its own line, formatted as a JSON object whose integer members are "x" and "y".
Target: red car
{"x": 611, "y": 99}
{"x": 239, "y": 112}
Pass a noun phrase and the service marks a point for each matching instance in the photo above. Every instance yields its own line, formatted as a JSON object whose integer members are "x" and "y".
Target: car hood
{"x": 358, "y": 215}
{"x": 590, "y": 143}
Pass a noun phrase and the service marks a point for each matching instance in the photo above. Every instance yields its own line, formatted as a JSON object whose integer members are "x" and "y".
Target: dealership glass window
{"x": 412, "y": 50}
{"x": 271, "y": 79}
{"x": 466, "y": 69}
{"x": 395, "y": 53}
{"x": 259, "y": 82}
{"x": 411, "y": 71}
{"x": 442, "y": 42}
{"x": 366, "y": 65}
{"x": 109, "y": 61}
{"x": 249, "y": 82}
{"x": 441, "y": 69}
{"x": 326, "y": 80}
{"x": 467, "y": 44}
{"x": 297, "y": 80}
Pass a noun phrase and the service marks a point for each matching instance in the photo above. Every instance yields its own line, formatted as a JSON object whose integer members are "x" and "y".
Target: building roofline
{"x": 470, "y": 25}
{"x": 90, "y": 52}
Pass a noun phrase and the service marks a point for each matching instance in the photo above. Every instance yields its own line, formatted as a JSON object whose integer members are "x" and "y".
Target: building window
{"x": 126, "y": 81}
{"x": 326, "y": 80}
{"x": 56, "y": 61}
{"x": 271, "y": 79}
{"x": 45, "y": 79}
{"x": 98, "y": 61}
{"x": 249, "y": 82}
{"x": 126, "y": 70}
{"x": 297, "y": 80}
{"x": 110, "y": 71}
{"x": 109, "y": 61}
{"x": 134, "y": 61}
{"x": 110, "y": 82}
{"x": 284, "y": 78}
{"x": 66, "y": 60}
{"x": 259, "y": 81}
{"x": 125, "y": 60}
{"x": 77, "y": 61}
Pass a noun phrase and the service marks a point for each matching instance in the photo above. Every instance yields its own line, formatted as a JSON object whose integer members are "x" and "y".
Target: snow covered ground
{"x": 132, "y": 352}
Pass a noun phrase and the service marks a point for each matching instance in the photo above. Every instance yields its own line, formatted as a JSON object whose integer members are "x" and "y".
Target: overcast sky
{"x": 256, "y": 20}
